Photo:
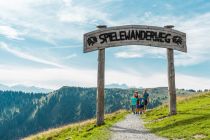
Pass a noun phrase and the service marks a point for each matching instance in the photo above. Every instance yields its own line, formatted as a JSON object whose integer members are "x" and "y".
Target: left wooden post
{"x": 100, "y": 86}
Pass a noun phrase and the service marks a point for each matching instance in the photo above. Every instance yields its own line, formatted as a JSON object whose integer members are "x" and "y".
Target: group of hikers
{"x": 139, "y": 103}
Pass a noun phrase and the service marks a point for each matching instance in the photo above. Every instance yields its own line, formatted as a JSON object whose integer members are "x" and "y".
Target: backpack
{"x": 142, "y": 101}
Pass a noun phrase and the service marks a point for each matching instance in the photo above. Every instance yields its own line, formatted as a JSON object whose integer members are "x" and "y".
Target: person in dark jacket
{"x": 146, "y": 99}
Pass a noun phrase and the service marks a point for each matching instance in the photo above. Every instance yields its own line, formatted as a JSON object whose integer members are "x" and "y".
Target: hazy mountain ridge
{"x": 121, "y": 86}
{"x": 115, "y": 85}
{"x": 23, "y": 88}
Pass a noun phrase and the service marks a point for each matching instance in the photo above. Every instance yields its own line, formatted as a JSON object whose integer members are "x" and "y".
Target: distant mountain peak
{"x": 23, "y": 88}
{"x": 116, "y": 85}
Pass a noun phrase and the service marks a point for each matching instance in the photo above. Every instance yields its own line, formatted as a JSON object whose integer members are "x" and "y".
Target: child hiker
{"x": 133, "y": 102}
{"x": 139, "y": 105}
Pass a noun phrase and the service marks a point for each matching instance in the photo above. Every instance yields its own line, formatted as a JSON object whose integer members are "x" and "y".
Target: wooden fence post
{"x": 171, "y": 79}
{"x": 100, "y": 86}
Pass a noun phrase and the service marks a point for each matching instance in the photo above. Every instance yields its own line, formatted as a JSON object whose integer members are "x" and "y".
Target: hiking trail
{"x": 132, "y": 128}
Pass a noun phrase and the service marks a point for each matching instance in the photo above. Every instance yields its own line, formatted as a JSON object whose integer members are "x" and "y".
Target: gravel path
{"x": 132, "y": 128}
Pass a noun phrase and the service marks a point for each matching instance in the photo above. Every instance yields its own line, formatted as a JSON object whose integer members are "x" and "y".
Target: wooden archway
{"x": 164, "y": 37}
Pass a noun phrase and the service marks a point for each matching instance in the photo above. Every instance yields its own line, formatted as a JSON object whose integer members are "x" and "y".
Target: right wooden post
{"x": 171, "y": 82}
{"x": 171, "y": 79}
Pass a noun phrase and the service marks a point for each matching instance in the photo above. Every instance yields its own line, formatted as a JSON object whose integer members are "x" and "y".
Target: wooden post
{"x": 171, "y": 79}
{"x": 171, "y": 82}
{"x": 100, "y": 86}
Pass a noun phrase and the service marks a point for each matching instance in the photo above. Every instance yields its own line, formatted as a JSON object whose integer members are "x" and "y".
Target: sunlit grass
{"x": 86, "y": 130}
{"x": 191, "y": 122}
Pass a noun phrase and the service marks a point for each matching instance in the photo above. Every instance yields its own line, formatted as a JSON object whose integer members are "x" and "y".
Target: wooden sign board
{"x": 135, "y": 35}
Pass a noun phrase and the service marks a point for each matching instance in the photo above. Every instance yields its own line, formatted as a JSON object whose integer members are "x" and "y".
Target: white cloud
{"x": 156, "y": 80}
{"x": 192, "y": 82}
{"x": 48, "y": 77}
{"x": 57, "y": 77}
{"x": 125, "y": 54}
{"x": 27, "y": 56}
{"x": 10, "y": 32}
{"x": 196, "y": 28}
{"x": 37, "y": 19}
{"x": 77, "y": 14}
{"x": 53, "y": 20}
{"x": 135, "y": 51}
{"x": 70, "y": 56}
{"x": 168, "y": 6}
{"x": 83, "y": 14}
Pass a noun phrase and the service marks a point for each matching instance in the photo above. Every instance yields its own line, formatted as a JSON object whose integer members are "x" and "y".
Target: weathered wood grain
{"x": 100, "y": 88}
{"x": 116, "y": 38}
{"x": 171, "y": 82}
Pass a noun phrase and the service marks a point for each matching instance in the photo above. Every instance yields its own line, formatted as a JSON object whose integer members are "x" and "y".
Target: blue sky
{"x": 41, "y": 42}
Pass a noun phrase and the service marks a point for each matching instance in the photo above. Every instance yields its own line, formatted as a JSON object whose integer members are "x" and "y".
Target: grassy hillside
{"x": 23, "y": 114}
{"x": 82, "y": 131}
{"x": 191, "y": 122}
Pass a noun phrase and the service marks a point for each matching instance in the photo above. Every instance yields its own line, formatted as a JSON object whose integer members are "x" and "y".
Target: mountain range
{"x": 23, "y": 88}
{"x": 120, "y": 86}
{"x": 23, "y": 114}
{"x": 34, "y": 89}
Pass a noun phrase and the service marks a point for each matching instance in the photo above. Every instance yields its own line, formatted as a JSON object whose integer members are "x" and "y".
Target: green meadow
{"x": 191, "y": 122}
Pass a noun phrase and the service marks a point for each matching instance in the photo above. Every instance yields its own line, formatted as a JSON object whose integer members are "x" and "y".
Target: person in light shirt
{"x": 133, "y": 102}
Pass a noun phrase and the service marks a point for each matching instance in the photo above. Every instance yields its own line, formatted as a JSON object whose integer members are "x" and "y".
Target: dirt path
{"x": 132, "y": 128}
